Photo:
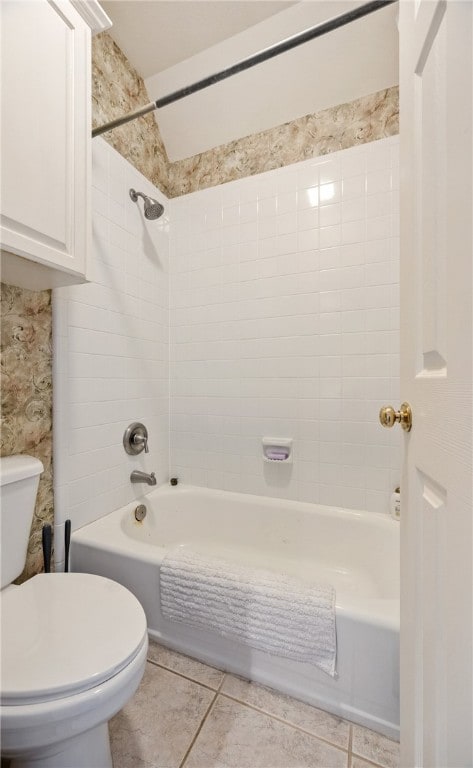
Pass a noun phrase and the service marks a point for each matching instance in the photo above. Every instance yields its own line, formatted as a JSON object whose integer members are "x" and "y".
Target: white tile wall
{"x": 111, "y": 340}
{"x": 285, "y": 322}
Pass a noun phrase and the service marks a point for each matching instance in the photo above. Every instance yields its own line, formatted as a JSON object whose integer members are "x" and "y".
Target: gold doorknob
{"x": 388, "y": 416}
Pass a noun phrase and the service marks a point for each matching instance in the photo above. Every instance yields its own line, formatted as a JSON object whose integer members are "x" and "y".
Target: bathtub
{"x": 358, "y": 552}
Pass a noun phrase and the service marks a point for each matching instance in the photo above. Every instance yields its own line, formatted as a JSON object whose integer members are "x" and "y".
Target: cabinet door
{"x": 45, "y": 132}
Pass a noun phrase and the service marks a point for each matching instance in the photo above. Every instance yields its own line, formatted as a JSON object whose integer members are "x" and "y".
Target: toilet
{"x": 73, "y": 646}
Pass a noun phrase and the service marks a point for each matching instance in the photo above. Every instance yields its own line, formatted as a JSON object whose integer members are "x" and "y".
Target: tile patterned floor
{"x": 188, "y": 715}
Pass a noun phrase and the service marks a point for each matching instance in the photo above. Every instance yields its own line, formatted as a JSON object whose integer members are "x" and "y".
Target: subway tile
{"x": 378, "y": 181}
{"x": 308, "y": 218}
{"x": 353, "y": 498}
{"x": 288, "y": 242}
{"x": 331, "y": 495}
{"x": 354, "y": 187}
{"x": 330, "y": 236}
{"x": 248, "y": 211}
{"x": 354, "y": 209}
{"x": 329, "y": 193}
{"x": 260, "y": 319}
{"x": 330, "y": 322}
{"x": 330, "y": 215}
{"x": 329, "y": 170}
{"x": 379, "y": 250}
{"x": 378, "y": 228}
{"x": 307, "y": 175}
{"x": 287, "y": 201}
{"x": 329, "y": 258}
{"x": 308, "y": 199}
{"x": 308, "y": 239}
{"x": 378, "y": 205}
{"x": 353, "y": 232}
{"x": 354, "y": 162}
{"x": 330, "y": 300}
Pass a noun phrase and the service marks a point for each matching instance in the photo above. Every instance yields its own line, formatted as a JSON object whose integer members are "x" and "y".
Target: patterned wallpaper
{"x": 118, "y": 89}
{"x": 26, "y": 384}
{"x": 372, "y": 117}
{"x": 26, "y": 315}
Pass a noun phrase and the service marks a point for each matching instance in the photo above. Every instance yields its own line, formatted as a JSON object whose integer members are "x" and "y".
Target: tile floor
{"x": 186, "y": 714}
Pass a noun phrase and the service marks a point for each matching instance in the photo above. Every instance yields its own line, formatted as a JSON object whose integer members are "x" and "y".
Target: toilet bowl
{"x": 73, "y": 651}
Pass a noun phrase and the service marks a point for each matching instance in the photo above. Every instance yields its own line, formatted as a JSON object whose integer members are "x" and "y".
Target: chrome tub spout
{"x": 142, "y": 477}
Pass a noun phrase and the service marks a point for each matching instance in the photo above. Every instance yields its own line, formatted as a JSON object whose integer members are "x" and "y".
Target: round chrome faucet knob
{"x": 135, "y": 439}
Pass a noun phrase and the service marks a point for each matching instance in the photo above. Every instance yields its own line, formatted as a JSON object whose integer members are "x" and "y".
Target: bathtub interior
{"x": 273, "y": 535}
{"x": 332, "y": 545}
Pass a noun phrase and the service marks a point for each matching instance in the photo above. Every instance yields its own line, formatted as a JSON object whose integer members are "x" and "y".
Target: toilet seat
{"x": 63, "y": 634}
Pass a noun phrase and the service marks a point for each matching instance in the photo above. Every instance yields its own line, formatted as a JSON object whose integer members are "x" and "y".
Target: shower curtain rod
{"x": 251, "y": 61}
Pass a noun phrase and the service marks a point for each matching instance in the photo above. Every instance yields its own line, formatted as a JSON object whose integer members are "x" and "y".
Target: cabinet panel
{"x": 45, "y": 133}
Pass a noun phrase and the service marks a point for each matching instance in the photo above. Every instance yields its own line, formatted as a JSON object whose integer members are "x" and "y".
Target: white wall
{"x": 285, "y": 322}
{"x": 111, "y": 352}
{"x": 353, "y": 61}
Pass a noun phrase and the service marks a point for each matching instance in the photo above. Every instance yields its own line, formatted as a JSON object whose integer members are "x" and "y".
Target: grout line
{"x": 188, "y": 751}
{"x": 222, "y": 682}
{"x": 186, "y": 677}
{"x": 367, "y": 760}
{"x": 218, "y": 691}
{"x": 286, "y": 722}
{"x": 350, "y": 740}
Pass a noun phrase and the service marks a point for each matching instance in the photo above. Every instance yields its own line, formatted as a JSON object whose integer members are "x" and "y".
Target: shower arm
{"x": 251, "y": 61}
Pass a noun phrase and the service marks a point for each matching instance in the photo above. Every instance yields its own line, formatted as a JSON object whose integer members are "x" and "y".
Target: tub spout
{"x": 142, "y": 477}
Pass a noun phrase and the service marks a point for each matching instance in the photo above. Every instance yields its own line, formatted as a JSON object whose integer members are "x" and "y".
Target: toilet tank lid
{"x": 14, "y": 468}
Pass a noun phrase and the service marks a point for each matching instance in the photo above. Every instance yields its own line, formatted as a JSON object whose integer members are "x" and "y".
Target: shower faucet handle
{"x": 135, "y": 439}
{"x": 141, "y": 440}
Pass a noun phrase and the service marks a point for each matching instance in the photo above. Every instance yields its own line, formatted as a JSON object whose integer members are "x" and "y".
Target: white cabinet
{"x": 45, "y": 140}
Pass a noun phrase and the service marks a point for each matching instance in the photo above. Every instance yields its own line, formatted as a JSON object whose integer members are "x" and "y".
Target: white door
{"x": 436, "y": 87}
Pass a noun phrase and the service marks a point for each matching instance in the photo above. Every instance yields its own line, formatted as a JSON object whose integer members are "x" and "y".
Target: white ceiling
{"x": 358, "y": 59}
{"x": 157, "y": 34}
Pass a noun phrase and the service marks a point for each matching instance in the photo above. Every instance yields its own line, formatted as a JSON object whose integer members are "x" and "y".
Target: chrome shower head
{"x": 152, "y": 209}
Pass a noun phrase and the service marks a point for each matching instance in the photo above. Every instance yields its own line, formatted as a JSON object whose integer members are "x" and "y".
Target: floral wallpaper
{"x": 26, "y": 397}
{"x": 117, "y": 89}
{"x": 26, "y": 315}
{"x": 372, "y": 117}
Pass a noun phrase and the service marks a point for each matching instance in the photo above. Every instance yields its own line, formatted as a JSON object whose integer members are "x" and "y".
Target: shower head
{"x": 152, "y": 209}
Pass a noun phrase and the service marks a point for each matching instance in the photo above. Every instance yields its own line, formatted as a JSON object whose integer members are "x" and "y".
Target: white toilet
{"x": 73, "y": 646}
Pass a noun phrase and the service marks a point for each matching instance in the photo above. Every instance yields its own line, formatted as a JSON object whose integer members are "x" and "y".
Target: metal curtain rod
{"x": 251, "y": 61}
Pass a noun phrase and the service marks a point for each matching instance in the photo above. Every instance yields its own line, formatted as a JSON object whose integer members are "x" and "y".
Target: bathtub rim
{"x": 382, "y": 611}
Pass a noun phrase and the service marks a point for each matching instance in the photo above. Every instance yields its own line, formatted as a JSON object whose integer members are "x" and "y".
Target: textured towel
{"x": 272, "y": 612}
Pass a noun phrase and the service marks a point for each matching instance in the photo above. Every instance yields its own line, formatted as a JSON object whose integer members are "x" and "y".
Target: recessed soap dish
{"x": 277, "y": 450}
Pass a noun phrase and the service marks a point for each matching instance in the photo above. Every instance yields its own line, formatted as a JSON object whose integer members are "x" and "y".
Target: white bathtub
{"x": 358, "y": 552}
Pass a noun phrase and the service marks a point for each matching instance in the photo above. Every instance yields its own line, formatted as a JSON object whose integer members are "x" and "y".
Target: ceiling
{"x": 157, "y": 34}
{"x": 175, "y": 43}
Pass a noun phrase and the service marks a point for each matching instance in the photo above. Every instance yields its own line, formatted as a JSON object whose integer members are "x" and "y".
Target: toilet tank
{"x": 19, "y": 478}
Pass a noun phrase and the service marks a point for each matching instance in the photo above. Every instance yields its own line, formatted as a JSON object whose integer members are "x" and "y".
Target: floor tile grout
{"x": 186, "y": 677}
{"x": 222, "y": 682}
{"x": 196, "y": 735}
{"x": 284, "y": 722}
{"x": 350, "y": 742}
{"x": 218, "y": 692}
{"x": 367, "y": 760}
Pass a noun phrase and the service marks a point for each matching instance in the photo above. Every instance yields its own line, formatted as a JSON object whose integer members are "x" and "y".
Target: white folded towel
{"x": 272, "y": 612}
